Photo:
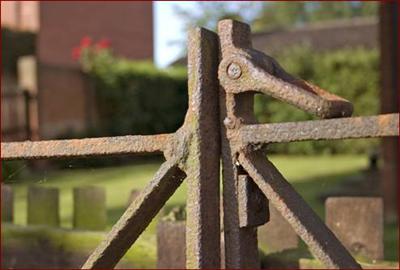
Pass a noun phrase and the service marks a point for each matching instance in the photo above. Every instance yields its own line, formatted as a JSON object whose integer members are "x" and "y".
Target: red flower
{"x": 76, "y": 53}
{"x": 103, "y": 44}
{"x": 86, "y": 41}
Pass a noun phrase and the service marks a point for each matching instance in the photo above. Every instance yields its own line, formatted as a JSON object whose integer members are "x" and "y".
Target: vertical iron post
{"x": 202, "y": 162}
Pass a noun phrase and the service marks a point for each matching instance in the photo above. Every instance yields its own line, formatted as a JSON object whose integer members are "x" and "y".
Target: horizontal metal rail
{"x": 85, "y": 147}
{"x": 136, "y": 218}
{"x": 343, "y": 128}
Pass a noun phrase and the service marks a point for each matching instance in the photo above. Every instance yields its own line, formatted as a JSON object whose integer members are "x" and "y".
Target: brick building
{"x": 64, "y": 99}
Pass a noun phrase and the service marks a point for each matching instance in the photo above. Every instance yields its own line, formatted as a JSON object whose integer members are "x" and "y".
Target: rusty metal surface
{"x": 320, "y": 240}
{"x": 244, "y": 69}
{"x": 344, "y": 128}
{"x": 85, "y": 147}
{"x": 253, "y": 206}
{"x": 242, "y": 72}
{"x": 136, "y": 218}
{"x": 202, "y": 163}
{"x": 241, "y": 249}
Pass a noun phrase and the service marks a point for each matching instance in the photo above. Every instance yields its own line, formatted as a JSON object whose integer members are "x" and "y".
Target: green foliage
{"x": 267, "y": 15}
{"x": 207, "y": 14}
{"x": 349, "y": 73}
{"x": 283, "y": 14}
{"x": 14, "y": 45}
{"x": 280, "y": 14}
{"x": 136, "y": 97}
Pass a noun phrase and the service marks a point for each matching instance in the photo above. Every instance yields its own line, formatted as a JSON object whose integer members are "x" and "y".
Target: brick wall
{"x": 65, "y": 101}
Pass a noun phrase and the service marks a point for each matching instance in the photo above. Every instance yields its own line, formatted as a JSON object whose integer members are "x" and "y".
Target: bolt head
{"x": 228, "y": 122}
{"x": 234, "y": 71}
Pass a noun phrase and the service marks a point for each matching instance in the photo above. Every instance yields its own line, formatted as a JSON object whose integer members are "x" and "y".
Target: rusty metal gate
{"x": 224, "y": 74}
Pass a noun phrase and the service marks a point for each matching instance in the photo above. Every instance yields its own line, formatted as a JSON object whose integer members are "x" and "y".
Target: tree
{"x": 207, "y": 14}
{"x": 284, "y": 14}
{"x": 280, "y": 14}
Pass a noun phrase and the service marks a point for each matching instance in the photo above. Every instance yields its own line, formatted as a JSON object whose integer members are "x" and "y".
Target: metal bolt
{"x": 234, "y": 71}
{"x": 228, "y": 122}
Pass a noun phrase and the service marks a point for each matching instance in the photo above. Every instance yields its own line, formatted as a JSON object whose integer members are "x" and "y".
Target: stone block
{"x": 43, "y": 206}
{"x": 132, "y": 196}
{"x": 358, "y": 223}
{"x": 171, "y": 245}
{"x": 277, "y": 235}
{"x": 90, "y": 211}
{"x": 7, "y": 203}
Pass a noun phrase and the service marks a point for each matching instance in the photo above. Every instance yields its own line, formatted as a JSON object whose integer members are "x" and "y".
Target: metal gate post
{"x": 202, "y": 164}
{"x": 241, "y": 249}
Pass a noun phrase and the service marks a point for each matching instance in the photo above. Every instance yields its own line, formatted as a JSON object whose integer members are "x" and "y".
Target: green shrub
{"x": 136, "y": 97}
{"x": 350, "y": 73}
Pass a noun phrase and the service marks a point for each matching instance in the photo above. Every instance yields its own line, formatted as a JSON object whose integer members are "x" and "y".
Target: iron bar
{"x": 202, "y": 164}
{"x": 241, "y": 248}
{"x": 137, "y": 217}
{"x": 321, "y": 241}
{"x": 343, "y": 128}
{"x": 85, "y": 147}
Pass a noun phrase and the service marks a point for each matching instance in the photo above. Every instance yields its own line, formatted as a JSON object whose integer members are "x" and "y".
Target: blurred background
{"x": 90, "y": 69}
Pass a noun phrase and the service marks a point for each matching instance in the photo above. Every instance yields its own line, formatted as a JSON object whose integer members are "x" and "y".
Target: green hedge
{"x": 349, "y": 73}
{"x": 137, "y": 98}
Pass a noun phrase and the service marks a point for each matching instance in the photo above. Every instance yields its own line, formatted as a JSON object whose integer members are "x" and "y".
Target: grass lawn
{"x": 310, "y": 175}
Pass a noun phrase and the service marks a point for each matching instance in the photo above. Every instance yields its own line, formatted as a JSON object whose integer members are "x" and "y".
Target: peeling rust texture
{"x": 202, "y": 164}
{"x": 321, "y": 241}
{"x": 253, "y": 206}
{"x": 344, "y": 128}
{"x": 85, "y": 147}
{"x": 137, "y": 217}
{"x": 241, "y": 250}
{"x": 255, "y": 71}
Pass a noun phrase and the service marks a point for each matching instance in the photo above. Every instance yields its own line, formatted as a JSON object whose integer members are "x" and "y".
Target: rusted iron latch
{"x": 242, "y": 72}
{"x": 244, "y": 69}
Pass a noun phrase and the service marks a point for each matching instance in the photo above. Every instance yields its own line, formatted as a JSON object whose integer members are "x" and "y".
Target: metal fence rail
{"x": 224, "y": 74}
{"x": 85, "y": 147}
{"x": 330, "y": 129}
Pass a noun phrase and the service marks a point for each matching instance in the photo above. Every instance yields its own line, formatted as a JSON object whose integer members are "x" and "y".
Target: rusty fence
{"x": 224, "y": 74}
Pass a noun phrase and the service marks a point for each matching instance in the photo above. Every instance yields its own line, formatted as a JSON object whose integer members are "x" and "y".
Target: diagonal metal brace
{"x": 321, "y": 241}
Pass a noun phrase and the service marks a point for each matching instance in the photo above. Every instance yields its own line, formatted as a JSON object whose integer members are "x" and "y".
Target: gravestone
{"x": 90, "y": 208}
{"x": 7, "y": 203}
{"x": 132, "y": 196}
{"x": 171, "y": 244}
{"x": 43, "y": 206}
{"x": 358, "y": 223}
{"x": 277, "y": 235}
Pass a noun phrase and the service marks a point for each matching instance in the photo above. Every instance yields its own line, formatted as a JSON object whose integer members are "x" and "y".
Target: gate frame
{"x": 226, "y": 62}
